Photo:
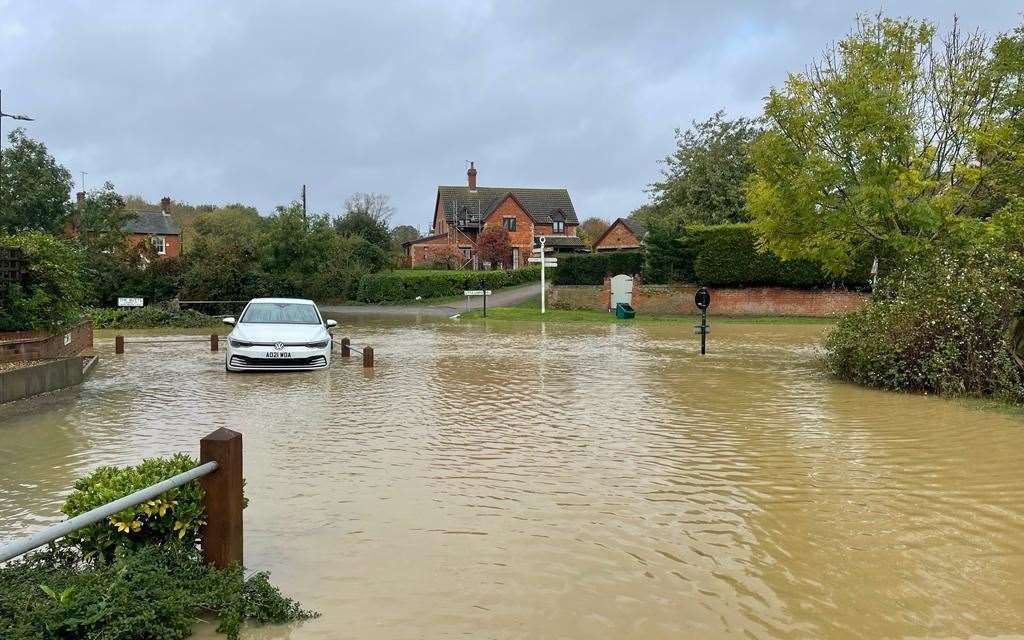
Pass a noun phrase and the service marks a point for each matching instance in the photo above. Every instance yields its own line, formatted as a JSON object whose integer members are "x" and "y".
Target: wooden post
{"x": 345, "y": 350}
{"x": 214, "y": 344}
{"x": 118, "y": 344}
{"x": 368, "y": 357}
{"x": 222, "y": 534}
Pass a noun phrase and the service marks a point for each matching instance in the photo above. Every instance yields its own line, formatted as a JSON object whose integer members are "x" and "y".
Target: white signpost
{"x": 477, "y": 292}
{"x": 545, "y": 262}
{"x": 129, "y": 302}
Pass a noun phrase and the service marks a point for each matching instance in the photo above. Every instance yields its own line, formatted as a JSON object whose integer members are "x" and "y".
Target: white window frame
{"x": 558, "y": 226}
{"x": 515, "y": 257}
{"x": 509, "y": 220}
{"x": 161, "y": 250}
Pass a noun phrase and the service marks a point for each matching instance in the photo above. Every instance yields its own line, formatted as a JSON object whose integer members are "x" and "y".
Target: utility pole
{"x": 84, "y": 173}
{"x": 305, "y": 219}
{"x": 12, "y": 116}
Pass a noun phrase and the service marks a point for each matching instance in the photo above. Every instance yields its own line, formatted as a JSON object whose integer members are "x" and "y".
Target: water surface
{"x": 509, "y": 480}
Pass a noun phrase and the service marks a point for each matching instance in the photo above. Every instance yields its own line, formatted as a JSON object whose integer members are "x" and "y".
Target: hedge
{"x": 407, "y": 284}
{"x": 727, "y": 255}
{"x": 591, "y": 268}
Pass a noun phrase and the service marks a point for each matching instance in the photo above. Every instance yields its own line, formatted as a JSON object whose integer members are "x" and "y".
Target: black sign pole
{"x": 703, "y": 300}
{"x": 703, "y": 331}
{"x": 483, "y": 285}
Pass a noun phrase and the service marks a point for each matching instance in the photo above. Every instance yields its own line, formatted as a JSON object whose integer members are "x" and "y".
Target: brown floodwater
{"x": 519, "y": 480}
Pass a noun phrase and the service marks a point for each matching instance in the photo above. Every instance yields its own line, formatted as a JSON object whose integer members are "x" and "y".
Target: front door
{"x": 622, "y": 289}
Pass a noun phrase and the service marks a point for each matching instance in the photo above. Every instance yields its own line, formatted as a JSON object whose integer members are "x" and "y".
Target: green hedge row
{"x": 407, "y": 284}
{"x": 727, "y": 256}
{"x": 591, "y": 268}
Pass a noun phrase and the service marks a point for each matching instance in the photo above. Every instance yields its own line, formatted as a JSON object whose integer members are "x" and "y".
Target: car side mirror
{"x": 332, "y": 323}
{"x": 229, "y": 321}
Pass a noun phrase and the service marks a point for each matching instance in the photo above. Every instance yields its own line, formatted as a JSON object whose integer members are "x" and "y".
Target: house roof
{"x": 638, "y": 228}
{"x": 561, "y": 242}
{"x": 424, "y": 239}
{"x": 152, "y": 222}
{"x": 540, "y": 204}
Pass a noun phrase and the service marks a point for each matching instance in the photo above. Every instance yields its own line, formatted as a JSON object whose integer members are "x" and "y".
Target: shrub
{"x": 154, "y": 315}
{"x": 175, "y": 516}
{"x": 156, "y": 592}
{"x": 591, "y": 268}
{"x": 54, "y": 294}
{"x": 943, "y": 325}
{"x": 408, "y": 284}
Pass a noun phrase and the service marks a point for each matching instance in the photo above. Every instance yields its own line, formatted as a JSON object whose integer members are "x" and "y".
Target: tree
{"x": 492, "y": 245}
{"x": 877, "y": 144}
{"x": 703, "y": 181}
{"x": 34, "y": 188}
{"x": 102, "y": 219}
{"x": 367, "y": 215}
{"x": 591, "y": 229}
{"x": 402, "y": 234}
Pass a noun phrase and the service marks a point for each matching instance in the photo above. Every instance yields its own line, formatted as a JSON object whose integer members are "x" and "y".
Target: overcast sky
{"x": 245, "y": 101}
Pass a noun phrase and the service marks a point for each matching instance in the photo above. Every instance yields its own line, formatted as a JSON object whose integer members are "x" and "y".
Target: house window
{"x": 515, "y": 257}
{"x": 510, "y": 223}
{"x": 558, "y": 226}
{"x": 160, "y": 244}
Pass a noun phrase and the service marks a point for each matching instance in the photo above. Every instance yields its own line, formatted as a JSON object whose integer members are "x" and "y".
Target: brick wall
{"x": 17, "y": 346}
{"x": 522, "y": 237}
{"x": 173, "y": 247}
{"x": 618, "y": 236}
{"x": 678, "y": 299}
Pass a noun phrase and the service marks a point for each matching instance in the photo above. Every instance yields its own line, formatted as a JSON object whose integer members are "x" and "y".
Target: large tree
{"x": 492, "y": 245}
{"x": 591, "y": 229}
{"x": 34, "y": 187}
{"x": 879, "y": 143}
{"x": 703, "y": 180}
{"x": 401, "y": 234}
{"x": 367, "y": 215}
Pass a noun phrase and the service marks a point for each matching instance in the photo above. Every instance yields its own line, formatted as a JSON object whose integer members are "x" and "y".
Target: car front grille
{"x": 244, "y": 362}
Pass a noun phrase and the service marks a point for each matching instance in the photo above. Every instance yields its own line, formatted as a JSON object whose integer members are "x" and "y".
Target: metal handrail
{"x": 61, "y": 529}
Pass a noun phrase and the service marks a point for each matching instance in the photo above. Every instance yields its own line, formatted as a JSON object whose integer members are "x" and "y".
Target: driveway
{"x": 501, "y": 298}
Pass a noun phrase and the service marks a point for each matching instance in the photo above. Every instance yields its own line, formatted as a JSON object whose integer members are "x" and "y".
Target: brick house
{"x": 623, "y": 234}
{"x": 156, "y": 227}
{"x": 462, "y": 212}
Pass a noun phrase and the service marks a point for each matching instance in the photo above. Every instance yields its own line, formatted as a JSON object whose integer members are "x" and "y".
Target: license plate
{"x": 279, "y": 354}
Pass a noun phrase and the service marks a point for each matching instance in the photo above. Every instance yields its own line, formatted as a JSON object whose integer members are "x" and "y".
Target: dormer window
{"x": 558, "y": 226}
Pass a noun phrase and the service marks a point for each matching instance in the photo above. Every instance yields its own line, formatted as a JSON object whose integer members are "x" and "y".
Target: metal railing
{"x": 61, "y": 529}
{"x": 347, "y": 348}
{"x": 220, "y": 468}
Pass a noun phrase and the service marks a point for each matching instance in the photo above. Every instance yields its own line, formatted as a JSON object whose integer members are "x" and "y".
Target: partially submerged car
{"x": 279, "y": 334}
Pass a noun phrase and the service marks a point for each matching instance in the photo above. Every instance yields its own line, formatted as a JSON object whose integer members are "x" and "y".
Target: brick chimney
{"x": 80, "y": 200}
{"x": 165, "y": 205}
{"x": 471, "y": 174}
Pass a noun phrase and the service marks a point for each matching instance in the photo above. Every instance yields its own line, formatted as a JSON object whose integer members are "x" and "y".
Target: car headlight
{"x": 318, "y": 345}
{"x": 238, "y": 343}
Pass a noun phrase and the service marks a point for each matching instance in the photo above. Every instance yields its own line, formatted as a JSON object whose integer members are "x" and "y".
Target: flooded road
{"x": 511, "y": 480}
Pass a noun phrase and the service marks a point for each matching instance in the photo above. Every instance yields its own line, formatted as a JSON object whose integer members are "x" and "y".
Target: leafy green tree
{"x": 34, "y": 187}
{"x": 367, "y": 215}
{"x": 102, "y": 219}
{"x": 591, "y": 229}
{"x": 876, "y": 144}
{"x": 703, "y": 180}
{"x": 401, "y": 234}
{"x": 55, "y": 292}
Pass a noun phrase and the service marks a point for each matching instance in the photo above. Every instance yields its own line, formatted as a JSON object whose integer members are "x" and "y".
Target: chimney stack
{"x": 471, "y": 174}
{"x": 80, "y": 200}
{"x": 165, "y": 205}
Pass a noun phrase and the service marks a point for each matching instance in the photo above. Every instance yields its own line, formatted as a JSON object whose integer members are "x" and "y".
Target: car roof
{"x": 297, "y": 300}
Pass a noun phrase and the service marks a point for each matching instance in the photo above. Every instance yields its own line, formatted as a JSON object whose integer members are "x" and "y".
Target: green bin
{"x": 624, "y": 311}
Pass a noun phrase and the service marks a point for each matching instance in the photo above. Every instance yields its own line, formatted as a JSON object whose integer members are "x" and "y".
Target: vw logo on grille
{"x": 278, "y": 346}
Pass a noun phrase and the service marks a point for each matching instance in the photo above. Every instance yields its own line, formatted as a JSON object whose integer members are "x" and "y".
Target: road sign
{"x": 545, "y": 249}
{"x": 129, "y": 302}
{"x": 547, "y": 262}
{"x": 477, "y": 292}
{"x": 702, "y": 298}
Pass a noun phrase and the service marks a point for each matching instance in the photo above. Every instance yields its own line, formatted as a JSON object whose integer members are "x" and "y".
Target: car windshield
{"x": 280, "y": 313}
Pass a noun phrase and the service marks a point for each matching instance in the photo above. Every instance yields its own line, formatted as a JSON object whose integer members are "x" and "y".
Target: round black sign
{"x": 702, "y": 298}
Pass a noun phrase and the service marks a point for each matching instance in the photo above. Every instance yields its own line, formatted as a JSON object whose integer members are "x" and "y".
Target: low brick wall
{"x": 678, "y": 299}
{"x": 18, "y": 346}
{"x": 28, "y": 381}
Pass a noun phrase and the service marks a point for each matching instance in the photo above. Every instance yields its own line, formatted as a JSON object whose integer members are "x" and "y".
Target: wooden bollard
{"x": 118, "y": 344}
{"x": 346, "y": 350}
{"x": 368, "y": 357}
{"x": 214, "y": 342}
{"x": 222, "y": 499}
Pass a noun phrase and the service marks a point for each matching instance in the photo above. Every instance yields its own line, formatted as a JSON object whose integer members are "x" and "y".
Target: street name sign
{"x": 547, "y": 262}
{"x": 129, "y": 302}
{"x": 477, "y": 292}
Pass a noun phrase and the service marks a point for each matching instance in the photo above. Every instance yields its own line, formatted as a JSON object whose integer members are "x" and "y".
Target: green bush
{"x": 54, "y": 294}
{"x": 151, "y": 316}
{"x": 175, "y": 516}
{"x": 154, "y": 593}
{"x": 407, "y": 284}
{"x": 591, "y": 268}
{"x": 944, "y": 324}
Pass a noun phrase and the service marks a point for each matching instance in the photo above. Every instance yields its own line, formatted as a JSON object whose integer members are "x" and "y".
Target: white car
{"x": 279, "y": 334}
